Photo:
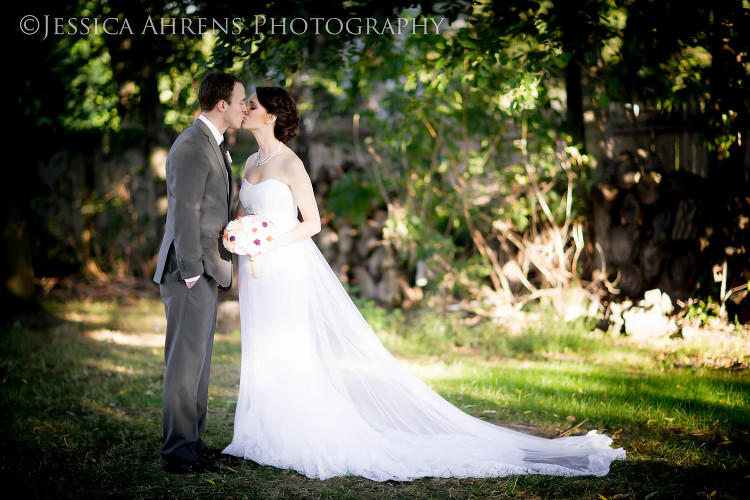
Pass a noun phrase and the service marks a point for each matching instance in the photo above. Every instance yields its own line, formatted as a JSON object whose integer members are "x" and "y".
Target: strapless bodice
{"x": 271, "y": 199}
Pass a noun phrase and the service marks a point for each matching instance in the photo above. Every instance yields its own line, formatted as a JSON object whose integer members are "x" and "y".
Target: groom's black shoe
{"x": 200, "y": 466}
{"x": 214, "y": 455}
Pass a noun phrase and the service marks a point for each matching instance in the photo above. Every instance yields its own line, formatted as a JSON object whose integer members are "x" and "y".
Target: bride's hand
{"x": 271, "y": 246}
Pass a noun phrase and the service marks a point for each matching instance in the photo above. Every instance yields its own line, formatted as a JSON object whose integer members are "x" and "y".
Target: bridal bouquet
{"x": 248, "y": 235}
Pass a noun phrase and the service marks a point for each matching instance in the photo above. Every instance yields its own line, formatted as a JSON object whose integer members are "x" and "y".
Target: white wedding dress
{"x": 321, "y": 395}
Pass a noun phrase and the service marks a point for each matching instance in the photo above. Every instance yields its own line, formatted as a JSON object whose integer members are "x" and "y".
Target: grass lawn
{"x": 81, "y": 404}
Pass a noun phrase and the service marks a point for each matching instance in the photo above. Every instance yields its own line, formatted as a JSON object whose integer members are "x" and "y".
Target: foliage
{"x": 104, "y": 102}
{"x": 98, "y": 78}
{"x": 454, "y": 167}
{"x": 700, "y": 53}
{"x": 700, "y": 312}
{"x": 471, "y": 135}
{"x": 95, "y": 105}
{"x": 351, "y": 198}
{"x": 475, "y": 136}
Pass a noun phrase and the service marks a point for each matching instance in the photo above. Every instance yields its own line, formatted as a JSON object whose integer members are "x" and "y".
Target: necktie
{"x": 226, "y": 160}
{"x": 228, "y": 166}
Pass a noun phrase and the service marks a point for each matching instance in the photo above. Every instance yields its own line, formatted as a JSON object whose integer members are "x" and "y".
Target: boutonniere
{"x": 229, "y": 157}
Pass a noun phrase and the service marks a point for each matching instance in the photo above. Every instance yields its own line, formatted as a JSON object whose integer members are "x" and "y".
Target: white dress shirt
{"x": 215, "y": 131}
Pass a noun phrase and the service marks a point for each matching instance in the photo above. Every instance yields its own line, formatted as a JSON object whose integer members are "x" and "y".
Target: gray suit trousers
{"x": 191, "y": 320}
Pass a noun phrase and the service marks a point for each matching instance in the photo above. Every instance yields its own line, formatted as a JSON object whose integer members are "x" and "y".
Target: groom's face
{"x": 237, "y": 109}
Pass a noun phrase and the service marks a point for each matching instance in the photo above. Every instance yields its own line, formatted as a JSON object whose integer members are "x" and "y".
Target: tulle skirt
{"x": 321, "y": 395}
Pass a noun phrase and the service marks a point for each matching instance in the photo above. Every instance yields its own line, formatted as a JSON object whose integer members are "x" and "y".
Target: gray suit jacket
{"x": 199, "y": 206}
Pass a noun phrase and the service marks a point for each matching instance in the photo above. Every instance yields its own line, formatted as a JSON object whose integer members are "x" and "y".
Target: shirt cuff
{"x": 190, "y": 280}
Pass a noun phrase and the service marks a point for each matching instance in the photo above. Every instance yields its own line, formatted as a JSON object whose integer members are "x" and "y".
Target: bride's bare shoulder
{"x": 292, "y": 165}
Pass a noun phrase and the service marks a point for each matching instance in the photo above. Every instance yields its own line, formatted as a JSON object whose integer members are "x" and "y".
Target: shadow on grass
{"x": 58, "y": 474}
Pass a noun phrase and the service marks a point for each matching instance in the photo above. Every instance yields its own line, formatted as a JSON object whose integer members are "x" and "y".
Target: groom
{"x": 192, "y": 262}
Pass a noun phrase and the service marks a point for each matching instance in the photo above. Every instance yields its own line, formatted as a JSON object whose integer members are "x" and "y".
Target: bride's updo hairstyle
{"x": 278, "y": 102}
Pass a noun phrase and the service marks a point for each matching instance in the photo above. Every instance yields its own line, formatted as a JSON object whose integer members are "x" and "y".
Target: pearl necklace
{"x": 259, "y": 162}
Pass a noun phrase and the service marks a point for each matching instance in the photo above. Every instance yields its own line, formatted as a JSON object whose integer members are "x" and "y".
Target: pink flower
{"x": 257, "y": 242}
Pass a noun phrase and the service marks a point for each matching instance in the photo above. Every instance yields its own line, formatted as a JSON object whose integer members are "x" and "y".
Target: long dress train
{"x": 321, "y": 395}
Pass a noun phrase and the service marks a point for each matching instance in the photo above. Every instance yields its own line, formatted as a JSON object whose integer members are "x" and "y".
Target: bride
{"x": 318, "y": 391}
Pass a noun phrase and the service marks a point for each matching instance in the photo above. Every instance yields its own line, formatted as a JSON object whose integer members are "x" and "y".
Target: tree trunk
{"x": 17, "y": 294}
{"x": 574, "y": 91}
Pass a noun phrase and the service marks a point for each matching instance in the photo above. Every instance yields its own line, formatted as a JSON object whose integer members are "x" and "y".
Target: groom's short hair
{"x": 215, "y": 87}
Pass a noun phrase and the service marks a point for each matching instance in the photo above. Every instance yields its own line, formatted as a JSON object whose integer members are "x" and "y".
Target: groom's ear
{"x": 222, "y": 105}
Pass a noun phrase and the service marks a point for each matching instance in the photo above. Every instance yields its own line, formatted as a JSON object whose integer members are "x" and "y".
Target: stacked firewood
{"x": 361, "y": 258}
{"x": 651, "y": 227}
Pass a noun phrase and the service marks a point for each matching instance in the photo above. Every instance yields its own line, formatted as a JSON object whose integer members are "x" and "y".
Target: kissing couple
{"x": 318, "y": 391}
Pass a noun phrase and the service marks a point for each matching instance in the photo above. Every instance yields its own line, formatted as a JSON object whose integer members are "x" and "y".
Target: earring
{"x": 268, "y": 122}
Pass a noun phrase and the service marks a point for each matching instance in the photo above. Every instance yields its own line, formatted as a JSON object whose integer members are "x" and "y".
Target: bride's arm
{"x": 299, "y": 182}
{"x": 240, "y": 210}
